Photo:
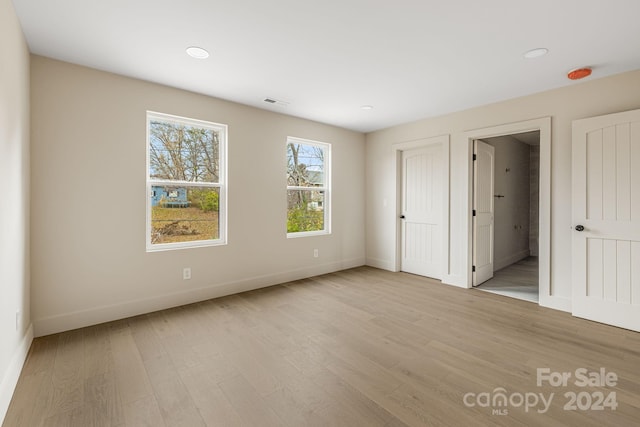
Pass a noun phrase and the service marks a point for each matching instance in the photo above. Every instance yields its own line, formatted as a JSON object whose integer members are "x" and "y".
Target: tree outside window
{"x": 185, "y": 182}
{"x": 307, "y": 187}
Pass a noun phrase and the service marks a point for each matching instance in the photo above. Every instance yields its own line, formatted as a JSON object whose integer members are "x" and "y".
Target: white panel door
{"x": 422, "y": 186}
{"x": 606, "y": 219}
{"x": 483, "y": 183}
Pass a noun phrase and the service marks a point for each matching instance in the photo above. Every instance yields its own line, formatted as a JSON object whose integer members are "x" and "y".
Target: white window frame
{"x": 326, "y": 172}
{"x": 222, "y": 129}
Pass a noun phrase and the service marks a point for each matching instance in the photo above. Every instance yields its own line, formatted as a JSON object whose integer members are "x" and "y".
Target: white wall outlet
{"x": 186, "y": 273}
{"x": 315, "y": 253}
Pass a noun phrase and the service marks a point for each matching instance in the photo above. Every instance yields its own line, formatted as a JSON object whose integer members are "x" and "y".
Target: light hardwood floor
{"x": 363, "y": 347}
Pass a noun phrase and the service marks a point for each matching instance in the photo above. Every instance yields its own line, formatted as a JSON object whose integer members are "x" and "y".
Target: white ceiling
{"x": 410, "y": 59}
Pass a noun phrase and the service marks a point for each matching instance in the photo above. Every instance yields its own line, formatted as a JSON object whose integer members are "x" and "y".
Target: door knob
{"x": 401, "y": 216}
{"x": 579, "y": 227}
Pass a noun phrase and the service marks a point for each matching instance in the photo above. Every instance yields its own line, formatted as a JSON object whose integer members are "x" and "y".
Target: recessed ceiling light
{"x": 197, "y": 52}
{"x": 367, "y": 107}
{"x": 536, "y": 53}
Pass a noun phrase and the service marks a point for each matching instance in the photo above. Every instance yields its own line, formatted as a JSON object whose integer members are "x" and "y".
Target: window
{"x": 308, "y": 187}
{"x": 186, "y": 182}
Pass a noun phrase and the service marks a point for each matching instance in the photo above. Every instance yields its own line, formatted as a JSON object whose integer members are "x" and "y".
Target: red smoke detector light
{"x": 579, "y": 73}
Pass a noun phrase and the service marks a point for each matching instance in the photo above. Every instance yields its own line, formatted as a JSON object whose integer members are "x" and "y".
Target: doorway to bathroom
{"x": 506, "y": 194}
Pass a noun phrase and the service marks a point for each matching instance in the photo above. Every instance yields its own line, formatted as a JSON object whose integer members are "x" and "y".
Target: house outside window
{"x": 308, "y": 187}
{"x": 186, "y": 182}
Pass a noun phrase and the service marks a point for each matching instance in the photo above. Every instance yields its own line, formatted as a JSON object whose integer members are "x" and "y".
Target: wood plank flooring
{"x": 362, "y": 347}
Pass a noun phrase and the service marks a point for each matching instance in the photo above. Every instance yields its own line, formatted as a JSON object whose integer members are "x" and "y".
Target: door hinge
{"x": 475, "y": 157}
{"x": 473, "y": 268}
{"x": 474, "y": 212}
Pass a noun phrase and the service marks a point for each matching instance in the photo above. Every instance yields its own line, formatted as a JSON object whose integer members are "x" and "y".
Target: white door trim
{"x": 398, "y": 148}
{"x": 544, "y": 126}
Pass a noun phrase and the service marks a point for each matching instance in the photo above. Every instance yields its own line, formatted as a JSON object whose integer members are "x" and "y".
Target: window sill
{"x": 161, "y": 247}
{"x": 307, "y": 234}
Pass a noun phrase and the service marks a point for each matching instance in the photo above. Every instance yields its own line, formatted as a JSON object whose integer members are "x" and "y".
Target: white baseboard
{"x": 556, "y": 303}
{"x": 512, "y": 259}
{"x": 456, "y": 280}
{"x": 102, "y": 314}
{"x": 382, "y": 264}
{"x": 10, "y": 380}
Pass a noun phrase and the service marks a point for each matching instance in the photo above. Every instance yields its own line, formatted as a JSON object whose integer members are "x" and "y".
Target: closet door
{"x": 606, "y": 219}
{"x": 422, "y": 187}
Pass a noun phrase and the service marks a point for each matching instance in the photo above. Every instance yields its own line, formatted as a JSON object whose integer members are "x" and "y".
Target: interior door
{"x": 606, "y": 219}
{"x": 483, "y": 184}
{"x": 422, "y": 182}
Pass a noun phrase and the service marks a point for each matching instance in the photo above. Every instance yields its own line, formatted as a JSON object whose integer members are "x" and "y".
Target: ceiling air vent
{"x": 276, "y": 102}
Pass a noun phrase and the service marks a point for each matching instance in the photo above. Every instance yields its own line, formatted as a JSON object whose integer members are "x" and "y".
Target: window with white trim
{"x": 308, "y": 187}
{"x": 186, "y": 182}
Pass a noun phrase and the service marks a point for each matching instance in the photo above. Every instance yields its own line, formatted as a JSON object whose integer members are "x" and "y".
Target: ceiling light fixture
{"x": 197, "y": 52}
{"x": 367, "y": 107}
{"x": 536, "y": 53}
{"x": 579, "y": 73}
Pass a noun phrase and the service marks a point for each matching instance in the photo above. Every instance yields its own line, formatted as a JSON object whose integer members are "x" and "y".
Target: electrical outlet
{"x": 186, "y": 273}
{"x": 315, "y": 253}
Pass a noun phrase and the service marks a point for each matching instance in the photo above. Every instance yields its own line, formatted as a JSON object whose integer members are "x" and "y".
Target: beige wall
{"x": 590, "y": 98}
{"x": 88, "y": 200}
{"x": 14, "y": 202}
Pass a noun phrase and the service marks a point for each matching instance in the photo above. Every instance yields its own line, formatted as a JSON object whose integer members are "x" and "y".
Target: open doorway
{"x": 506, "y": 224}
